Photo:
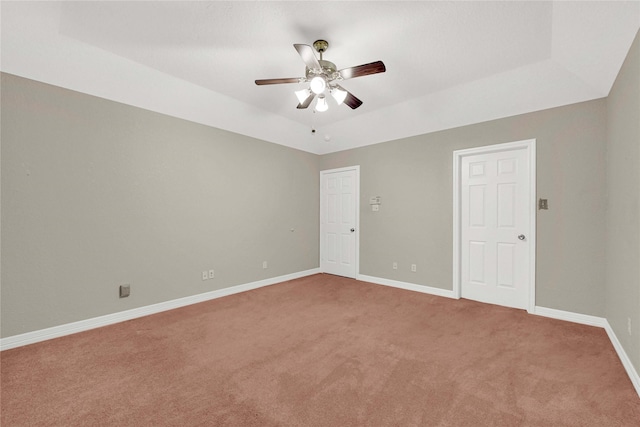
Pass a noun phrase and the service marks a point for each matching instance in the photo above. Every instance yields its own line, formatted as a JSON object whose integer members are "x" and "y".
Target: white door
{"x": 339, "y": 189}
{"x": 495, "y": 227}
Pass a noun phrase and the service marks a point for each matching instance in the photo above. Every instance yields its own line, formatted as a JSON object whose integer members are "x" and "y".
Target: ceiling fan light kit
{"x": 324, "y": 76}
{"x": 318, "y": 84}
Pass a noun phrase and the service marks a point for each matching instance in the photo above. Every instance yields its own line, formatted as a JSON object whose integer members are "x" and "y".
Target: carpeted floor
{"x": 323, "y": 351}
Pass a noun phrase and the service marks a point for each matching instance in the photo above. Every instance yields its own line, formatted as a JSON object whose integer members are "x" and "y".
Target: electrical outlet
{"x": 205, "y": 275}
{"x": 543, "y": 204}
{"x": 395, "y": 265}
{"x": 413, "y": 268}
{"x": 125, "y": 291}
{"x": 211, "y": 274}
{"x": 264, "y": 264}
{"x": 629, "y": 325}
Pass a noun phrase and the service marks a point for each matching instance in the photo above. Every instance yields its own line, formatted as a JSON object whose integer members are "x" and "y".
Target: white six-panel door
{"x": 338, "y": 221}
{"x": 495, "y": 226}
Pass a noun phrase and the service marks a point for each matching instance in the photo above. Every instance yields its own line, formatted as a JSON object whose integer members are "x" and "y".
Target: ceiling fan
{"x": 323, "y": 77}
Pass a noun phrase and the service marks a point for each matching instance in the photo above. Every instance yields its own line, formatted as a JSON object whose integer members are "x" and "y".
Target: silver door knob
{"x": 353, "y": 229}
{"x": 521, "y": 237}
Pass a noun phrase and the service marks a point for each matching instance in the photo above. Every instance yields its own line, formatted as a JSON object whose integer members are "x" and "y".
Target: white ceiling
{"x": 448, "y": 63}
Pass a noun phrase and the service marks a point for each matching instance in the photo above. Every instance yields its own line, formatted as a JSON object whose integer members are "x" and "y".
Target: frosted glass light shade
{"x": 302, "y": 95}
{"x": 321, "y": 105}
{"x": 339, "y": 95}
{"x": 318, "y": 84}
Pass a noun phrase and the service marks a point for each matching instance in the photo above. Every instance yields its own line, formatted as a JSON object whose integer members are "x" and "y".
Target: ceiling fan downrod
{"x": 321, "y": 46}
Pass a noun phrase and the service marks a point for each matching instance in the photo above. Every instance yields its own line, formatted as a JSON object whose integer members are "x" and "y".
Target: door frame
{"x": 458, "y": 155}
{"x": 355, "y": 168}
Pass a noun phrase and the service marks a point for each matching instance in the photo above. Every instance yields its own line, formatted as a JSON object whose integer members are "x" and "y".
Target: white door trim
{"x": 355, "y": 168}
{"x": 458, "y": 155}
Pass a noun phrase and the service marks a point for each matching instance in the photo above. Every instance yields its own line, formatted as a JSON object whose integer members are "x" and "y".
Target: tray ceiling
{"x": 448, "y": 64}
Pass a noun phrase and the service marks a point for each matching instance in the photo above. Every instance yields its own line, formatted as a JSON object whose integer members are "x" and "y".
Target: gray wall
{"x": 623, "y": 205}
{"x": 414, "y": 225}
{"x": 96, "y": 194}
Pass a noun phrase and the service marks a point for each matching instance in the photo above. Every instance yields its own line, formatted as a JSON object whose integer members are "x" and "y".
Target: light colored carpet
{"x": 323, "y": 351}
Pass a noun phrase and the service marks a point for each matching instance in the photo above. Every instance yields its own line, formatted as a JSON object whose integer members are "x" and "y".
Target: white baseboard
{"x": 408, "y": 286}
{"x": 584, "y": 319}
{"x": 602, "y": 323}
{"x": 109, "y": 319}
{"x": 626, "y": 362}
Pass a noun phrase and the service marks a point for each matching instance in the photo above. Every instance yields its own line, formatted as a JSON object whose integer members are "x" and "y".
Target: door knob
{"x": 353, "y": 229}
{"x": 521, "y": 237}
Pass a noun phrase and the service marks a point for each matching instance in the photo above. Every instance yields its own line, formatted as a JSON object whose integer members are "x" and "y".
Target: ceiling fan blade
{"x": 351, "y": 99}
{"x": 363, "y": 70}
{"x": 309, "y": 58}
{"x": 279, "y": 81}
{"x": 306, "y": 102}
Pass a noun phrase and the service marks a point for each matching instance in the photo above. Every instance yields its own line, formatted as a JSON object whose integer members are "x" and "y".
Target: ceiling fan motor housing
{"x": 328, "y": 70}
